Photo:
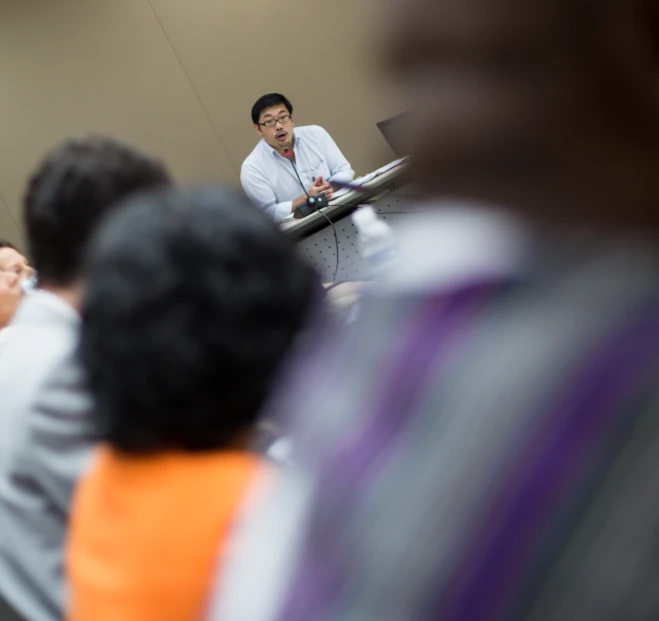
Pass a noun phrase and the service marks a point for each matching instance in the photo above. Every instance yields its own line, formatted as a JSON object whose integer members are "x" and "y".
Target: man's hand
{"x": 321, "y": 186}
{"x": 10, "y": 296}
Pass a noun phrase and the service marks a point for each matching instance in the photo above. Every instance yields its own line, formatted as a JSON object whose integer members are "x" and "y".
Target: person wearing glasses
{"x": 13, "y": 262}
{"x": 268, "y": 177}
{"x": 15, "y": 271}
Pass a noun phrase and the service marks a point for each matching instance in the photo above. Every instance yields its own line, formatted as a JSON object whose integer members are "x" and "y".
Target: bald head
{"x": 545, "y": 106}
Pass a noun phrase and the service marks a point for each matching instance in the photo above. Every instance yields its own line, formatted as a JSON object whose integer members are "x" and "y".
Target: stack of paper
{"x": 388, "y": 167}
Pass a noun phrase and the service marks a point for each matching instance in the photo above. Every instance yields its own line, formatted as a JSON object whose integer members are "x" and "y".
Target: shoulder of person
{"x": 312, "y": 130}
{"x": 43, "y": 310}
{"x": 38, "y": 364}
{"x": 253, "y": 160}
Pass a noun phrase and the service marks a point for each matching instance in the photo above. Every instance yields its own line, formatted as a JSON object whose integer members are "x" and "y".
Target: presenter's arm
{"x": 340, "y": 169}
{"x": 260, "y": 192}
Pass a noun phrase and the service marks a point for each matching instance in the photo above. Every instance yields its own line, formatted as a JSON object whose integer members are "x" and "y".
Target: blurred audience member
{"x": 14, "y": 272}
{"x": 194, "y": 297}
{"x": 44, "y": 428}
{"x": 12, "y": 261}
{"x": 485, "y": 437}
{"x": 10, "y": 297}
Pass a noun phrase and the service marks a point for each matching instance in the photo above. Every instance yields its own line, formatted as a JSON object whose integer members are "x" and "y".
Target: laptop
{"x": 392, "y": 130}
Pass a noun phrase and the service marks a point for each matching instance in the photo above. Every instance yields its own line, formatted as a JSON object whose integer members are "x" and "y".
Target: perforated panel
{"x": 320, "y": 248}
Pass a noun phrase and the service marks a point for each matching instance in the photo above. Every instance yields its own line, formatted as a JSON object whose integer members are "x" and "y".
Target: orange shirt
{"x": 146, "y": 533}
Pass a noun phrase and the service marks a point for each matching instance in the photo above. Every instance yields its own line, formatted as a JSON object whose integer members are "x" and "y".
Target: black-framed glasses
{"x": 284, "y": 118}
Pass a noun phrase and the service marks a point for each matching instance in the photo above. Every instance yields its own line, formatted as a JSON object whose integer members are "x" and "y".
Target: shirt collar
{"x": 34, "y": 303}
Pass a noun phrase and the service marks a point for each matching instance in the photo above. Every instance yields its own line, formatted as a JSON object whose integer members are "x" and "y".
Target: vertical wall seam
{"x": 194, "y": 90}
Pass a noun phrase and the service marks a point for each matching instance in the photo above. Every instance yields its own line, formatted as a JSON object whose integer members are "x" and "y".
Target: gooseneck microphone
{"x": 313, "y": 203}
{"x": 289, "y": 156}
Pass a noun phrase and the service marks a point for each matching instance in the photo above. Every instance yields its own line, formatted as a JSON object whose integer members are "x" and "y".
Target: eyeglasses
{"x": 20, "y": 270}
{"x": 272, "y": 122}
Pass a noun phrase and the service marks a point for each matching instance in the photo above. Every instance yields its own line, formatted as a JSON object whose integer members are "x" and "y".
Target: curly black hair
{"x": 193, "y": 299}
{"x": 70, "y": 193}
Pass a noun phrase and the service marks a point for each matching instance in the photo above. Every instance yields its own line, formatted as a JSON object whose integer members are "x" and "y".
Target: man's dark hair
{"x": 71, "y": 191}
{"x": 5, "y": 243}
{"x": 193, "y": 299}
{"x": 267, "y": 101}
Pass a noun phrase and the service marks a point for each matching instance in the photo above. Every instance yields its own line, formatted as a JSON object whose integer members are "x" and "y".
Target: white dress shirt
{"x": 270, "y": 182}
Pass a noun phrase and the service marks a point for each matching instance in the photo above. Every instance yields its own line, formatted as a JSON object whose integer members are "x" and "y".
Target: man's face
{"x": 277, "y": 133}
{"x": 14, "y": 262}
{"x": 492, "y": 87}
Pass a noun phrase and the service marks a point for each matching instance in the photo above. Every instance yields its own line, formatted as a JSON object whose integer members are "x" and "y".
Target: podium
{"x": 314, "y": 235}
{"x": 375, "y": 184}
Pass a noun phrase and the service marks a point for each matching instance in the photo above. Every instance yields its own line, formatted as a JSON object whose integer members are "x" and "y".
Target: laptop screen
{"x": 393, "y": 129}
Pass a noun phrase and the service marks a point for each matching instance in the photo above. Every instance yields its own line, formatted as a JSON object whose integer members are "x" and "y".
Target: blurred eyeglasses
{"x": 285, "y": 118}
{"x": 24, "y": 272}
{"x": 30, "y": 284}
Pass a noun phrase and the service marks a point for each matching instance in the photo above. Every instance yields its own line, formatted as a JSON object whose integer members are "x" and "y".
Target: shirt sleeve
{"x": 340, "y": 169}
{"x": 261, "y": 194}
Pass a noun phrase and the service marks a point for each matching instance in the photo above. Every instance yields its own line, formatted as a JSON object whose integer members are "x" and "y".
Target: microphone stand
{"x": 313, "y": 203}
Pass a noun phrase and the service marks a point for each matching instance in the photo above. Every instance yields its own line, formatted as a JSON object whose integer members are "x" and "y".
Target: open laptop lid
{"x": 393, "y": 129}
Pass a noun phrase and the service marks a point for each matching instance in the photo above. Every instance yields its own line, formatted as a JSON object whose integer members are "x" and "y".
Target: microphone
{"x": 313, "y": 203}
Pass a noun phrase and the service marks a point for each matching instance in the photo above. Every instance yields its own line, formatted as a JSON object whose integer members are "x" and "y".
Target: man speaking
{"x": 268, "y": 176}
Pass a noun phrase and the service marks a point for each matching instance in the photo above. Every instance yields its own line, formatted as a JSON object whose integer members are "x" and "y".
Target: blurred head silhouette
{"x": 69, "y": 194}
{"x": 193, "y": 299}
{"x": 550, "y": 107}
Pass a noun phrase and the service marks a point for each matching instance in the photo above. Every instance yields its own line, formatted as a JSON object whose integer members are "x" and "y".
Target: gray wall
{"x": 178, "y": 78}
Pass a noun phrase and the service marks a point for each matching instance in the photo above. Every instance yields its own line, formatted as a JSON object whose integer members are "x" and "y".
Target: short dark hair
{"x": 71, "y": 191}
{"x": 193, "y": 298}
{"x": 267, "y": 101}
{"x": 5, "y": 243}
